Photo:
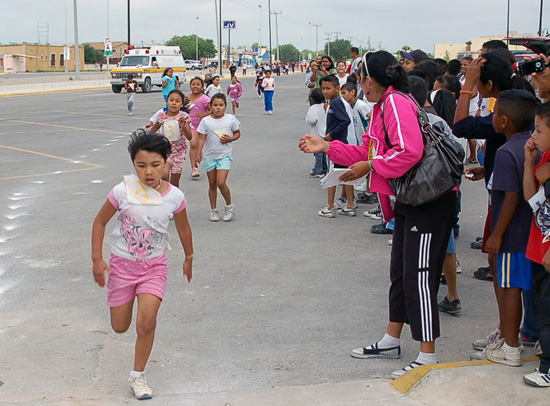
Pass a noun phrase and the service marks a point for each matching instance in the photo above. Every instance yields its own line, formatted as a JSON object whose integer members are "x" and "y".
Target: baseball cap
{"x": 417, "y": 55}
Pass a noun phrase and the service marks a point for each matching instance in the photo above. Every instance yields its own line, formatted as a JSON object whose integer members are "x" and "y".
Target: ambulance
{"x": 147, "y": 66}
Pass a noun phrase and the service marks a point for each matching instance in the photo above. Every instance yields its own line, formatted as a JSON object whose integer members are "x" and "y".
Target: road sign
{"x": 108, "y": 47}
{"x": 229, "y": 25}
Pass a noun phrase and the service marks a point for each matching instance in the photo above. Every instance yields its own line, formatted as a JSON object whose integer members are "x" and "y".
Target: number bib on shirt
{"x": 172, "y": 130}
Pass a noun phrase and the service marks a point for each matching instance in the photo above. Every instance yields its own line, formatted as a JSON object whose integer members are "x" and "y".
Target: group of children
{"x": 147, "y": 200}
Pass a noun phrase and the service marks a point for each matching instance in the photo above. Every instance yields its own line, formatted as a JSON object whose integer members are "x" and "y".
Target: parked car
{"x": 191, "y": 64}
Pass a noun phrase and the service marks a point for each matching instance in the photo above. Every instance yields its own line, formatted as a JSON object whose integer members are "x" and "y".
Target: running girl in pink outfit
{"x": 175, "y": 124}
{"x": 138, "y": 266}
{"x": 235, "y": 91}
{"x": 199, "y": 107}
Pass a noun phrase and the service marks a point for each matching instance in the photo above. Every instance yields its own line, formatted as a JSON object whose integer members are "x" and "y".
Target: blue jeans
{"x": 529, "y": 328}
{"x": 268, "y": 99}
{"x": 320, "y": 163}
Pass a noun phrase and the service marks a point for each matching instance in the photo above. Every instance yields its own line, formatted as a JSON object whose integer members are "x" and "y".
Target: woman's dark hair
{"x": 499, "y": 71}
{"x": 418, "y": 89}
{"x": 330, "y": 60}
{"x": 419, "y": 74}
{"x": 219, "y": 96}
{"x": 142, "y": 141}
{"x": 316, "y": 97}
{"x": 444, "y": 103}
{"x": 386, "y": 71}
{"x": 450, "y": 83}
{"x": 166, "y": 71}
{"x": 431, "y": 70}
{"x": 453, "y": 67}
{"x": 185, "y": 106}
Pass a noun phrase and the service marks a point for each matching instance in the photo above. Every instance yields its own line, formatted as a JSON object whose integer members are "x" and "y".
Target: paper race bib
{"x": 223, "y": 131}
{"x": 171, "y": 129}
{"x": 138, "y": 193}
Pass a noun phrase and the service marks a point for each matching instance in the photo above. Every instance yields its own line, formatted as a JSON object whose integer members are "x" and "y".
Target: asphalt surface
{"x": 279, "y": 296}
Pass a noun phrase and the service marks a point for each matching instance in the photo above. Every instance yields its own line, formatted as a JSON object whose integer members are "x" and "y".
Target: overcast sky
{"x": 389, "y": 23}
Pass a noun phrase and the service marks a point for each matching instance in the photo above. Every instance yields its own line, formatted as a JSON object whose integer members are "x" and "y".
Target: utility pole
{"x": 108, "y": 33}
{"x": 540, "y": 19}
{"x": 196, "y": 38}
{"x": 128, "y": 22}
{"x": 220, "y": 53}
{"x": 328, "y": 42}
{"x": 76, "y": 47}
{"x": 317, "y": 38}
{"x": 270, "y": 47}
{"x": 276, "y": 13}
{"x": 336, "y": 34}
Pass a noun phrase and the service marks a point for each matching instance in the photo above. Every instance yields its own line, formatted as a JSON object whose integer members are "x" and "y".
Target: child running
{"x": 174, "y": 123}
{"x": 234, "y": 90}
{"x": 214, "y": 87}
{"x": 199, "y": 107}
{"x": 259, "y": 80}
{"x": 138, "y": 266}
{"x": 268, "y": 86}
{"x": 131, "y": 86}
{"x": 216, "y": 134}
{"x": 169, "y": 82}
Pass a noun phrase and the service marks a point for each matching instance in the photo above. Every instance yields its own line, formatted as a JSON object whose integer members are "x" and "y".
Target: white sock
{"x": 388, "y": 342}
{"x": 425, "y": 358}
{"x": 135, "y": 374}
{"x": 509, "y": 349}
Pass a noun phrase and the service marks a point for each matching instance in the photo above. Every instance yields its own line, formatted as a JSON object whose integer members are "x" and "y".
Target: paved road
{"x": 278, "y": 298}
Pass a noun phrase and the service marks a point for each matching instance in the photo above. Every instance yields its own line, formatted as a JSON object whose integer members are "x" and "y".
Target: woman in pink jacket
{"x": 421, "y": 233}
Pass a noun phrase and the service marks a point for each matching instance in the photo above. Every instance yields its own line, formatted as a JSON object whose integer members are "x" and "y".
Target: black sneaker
{"x": 476, "y": 245}
{"x": 367, "y": 199}
{"x": 484, "y": 274}
{"x": 380, "y": 229}
{"x": 372, "y": 351}
{"x": 449, "y": 307}
{"x": 443, "y": 280}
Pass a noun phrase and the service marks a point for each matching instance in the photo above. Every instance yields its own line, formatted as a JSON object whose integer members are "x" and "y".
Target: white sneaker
{"x": 229, "y": 213}
{"x": 214, "y": 215}
{"x": 538, "y": 379}
{"x": 139, "y": 388}
{"x": 537, "y": 350}
{"x": 130, "y": 113}
{"x": 492, "y": 338}
{"x": 401, "y": 372}
{"x": 390, "y": 241}
{"x": 340, "y": 203}
{"x": 270, "y": 112}
{"x": 499, "y": 354}
{"x": 458, "y": 267}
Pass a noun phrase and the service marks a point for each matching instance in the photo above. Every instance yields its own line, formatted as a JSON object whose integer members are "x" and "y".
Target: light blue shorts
{"x": 514, "y": 271}
{"x": 223, "y": 163}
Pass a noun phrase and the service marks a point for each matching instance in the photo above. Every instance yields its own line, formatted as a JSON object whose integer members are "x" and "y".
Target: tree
{"x": 339, "y": 49}
{"x": 288, "y": 53}
{"x": 405, "y": 48}
{"x": 92, "y": 55}
{"x": 187, "y": 44}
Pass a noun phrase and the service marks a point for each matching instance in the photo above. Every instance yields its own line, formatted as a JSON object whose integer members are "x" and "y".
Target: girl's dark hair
{"x": 443, "y": 64}
{"x": 185, "y": 106}
{"x": 316, "y": 97}
{"x": 337, "y": 62}
{"x": 444, "y": 103}
{"x": 142, "y": 141}
{"x": 450, "y": 83}
{"x": 199, "y": 79}
{"x": 166, "y": 71}
{"x": 386, "y": 71}
{"x": 330, "y": 60}
{"x": 499, "y": 71}
{"x": 219, "y": 96}
{"x": 431, "y": 70}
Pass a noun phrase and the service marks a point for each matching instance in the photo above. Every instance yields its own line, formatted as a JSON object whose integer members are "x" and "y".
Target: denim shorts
{"x": 222, "y": 163}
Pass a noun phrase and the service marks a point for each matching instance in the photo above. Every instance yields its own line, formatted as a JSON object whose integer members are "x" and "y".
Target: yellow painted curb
{"x": 412, "y": 378}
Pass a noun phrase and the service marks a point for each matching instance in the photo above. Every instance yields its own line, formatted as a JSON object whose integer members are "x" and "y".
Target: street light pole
{"x": 276, "y": 13}
{"x": 196, "y": 38}
{"x": 128, "y": 22}
{"x": 508, "y": 24}
{"x": 540, "y": 19}
{"x": 220, "y": 59}
{"x": 76, "y": 47}
{"x": 316, "y": 38}
{"x": 270, "y": 48}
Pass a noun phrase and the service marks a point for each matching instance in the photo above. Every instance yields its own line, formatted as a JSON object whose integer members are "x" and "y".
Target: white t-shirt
{"x": 355, "y": 64}
{"x": 211, "y": 90}
{"x": 317, "y": 119}
{"x": 360, "y": 121}
{"x": 342, "y": 80}
{"x": 214, "y": 128}
{"x": 142, "y": 230}
{"x": 352, "y": 139}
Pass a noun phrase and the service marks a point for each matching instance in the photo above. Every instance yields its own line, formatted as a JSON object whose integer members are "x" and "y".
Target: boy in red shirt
{"x": 538, "y": 248}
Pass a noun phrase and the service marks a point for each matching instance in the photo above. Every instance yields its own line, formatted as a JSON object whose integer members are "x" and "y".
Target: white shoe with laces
{"x": 401, "y": 372}
{"x": 229, "y": 213}
{"x": 139, "y": 388}
{"x": 214, "y": 215}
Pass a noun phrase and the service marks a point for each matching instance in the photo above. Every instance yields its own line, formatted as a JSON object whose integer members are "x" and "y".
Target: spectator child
{"x": 339, "y": 127}
{"x": 510, "y": 219}
{"x": 316, "y": 118}
{"x": 138, "y": 265}
{"x": 216, "y": 134}
{"x": 341, "y": 73}
{"x": 131, "y": 86}
{"x": 175, "y": 123}
{"x": 234, "y": 90}
{"x": 538, "y": 248}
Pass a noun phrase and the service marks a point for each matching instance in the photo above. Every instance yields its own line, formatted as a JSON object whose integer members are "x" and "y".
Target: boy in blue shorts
{"x": 510, "y": 220}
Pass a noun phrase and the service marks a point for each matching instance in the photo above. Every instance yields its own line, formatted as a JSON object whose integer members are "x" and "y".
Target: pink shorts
{"x": 234, "y": 99}
{"x": 129, "y": 278}
{"x": 177, "y": 161}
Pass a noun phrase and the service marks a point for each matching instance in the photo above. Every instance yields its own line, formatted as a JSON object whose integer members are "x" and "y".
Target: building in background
{"x": 38, "y": 57}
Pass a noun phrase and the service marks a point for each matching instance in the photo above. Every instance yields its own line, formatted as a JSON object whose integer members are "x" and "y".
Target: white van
{"x": 147, "y": 66}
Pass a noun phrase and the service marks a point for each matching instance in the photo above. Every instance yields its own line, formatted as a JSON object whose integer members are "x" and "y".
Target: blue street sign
{"x": 229, "y": 25}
